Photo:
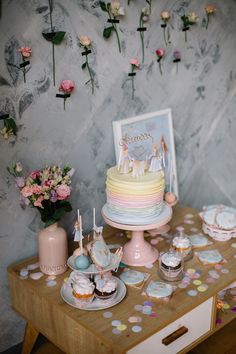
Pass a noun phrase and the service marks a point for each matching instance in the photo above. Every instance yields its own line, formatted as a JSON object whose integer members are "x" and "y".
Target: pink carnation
{"x": 27, "y": 191}
{"x": 63, "y": 191}
{"x": 38, "y": 202}
{"x": 67, "y": 86}
{"x": 25, "y": 51}
{"x": 36, "y": 189}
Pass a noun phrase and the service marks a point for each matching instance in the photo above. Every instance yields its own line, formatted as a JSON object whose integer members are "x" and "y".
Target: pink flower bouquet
{"x": 47, "y": 190}
{"x": 66, "y": 86}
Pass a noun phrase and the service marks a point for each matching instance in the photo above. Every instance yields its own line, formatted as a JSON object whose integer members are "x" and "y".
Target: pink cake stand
{"x": 138, "y": 252}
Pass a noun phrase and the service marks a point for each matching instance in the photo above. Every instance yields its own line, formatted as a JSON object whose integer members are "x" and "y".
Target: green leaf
{"x": 83, "y": 66}
{"x": 107, "y": 31}
{"x": 11, "y": 125}
{"x": 54, "y": 37}
{"x": 103, "y": 5}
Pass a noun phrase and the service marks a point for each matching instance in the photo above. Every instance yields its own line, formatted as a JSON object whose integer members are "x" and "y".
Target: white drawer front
{"x": 198, "y": 322}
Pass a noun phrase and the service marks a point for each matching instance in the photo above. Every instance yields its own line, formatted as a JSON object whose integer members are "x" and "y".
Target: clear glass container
{"x": 171, "y": 266}
{"x": 181, "y": 244}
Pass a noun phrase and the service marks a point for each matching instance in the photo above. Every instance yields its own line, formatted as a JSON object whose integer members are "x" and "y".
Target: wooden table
{"x": 80, "y": 331}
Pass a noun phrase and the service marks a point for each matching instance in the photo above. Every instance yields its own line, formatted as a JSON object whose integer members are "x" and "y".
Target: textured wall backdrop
{"x": 201, "y": 95}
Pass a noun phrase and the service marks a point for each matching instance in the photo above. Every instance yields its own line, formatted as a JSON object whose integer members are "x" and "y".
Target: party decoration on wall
{"x": 47, "y": 190}
{"x": 86, "y": 43}
{"x": 210, "y": 10}
{"x": 144, "y": 17}
{"x": 66, "y": 86}
{"x": 9, "y": 128}
{"x": 55, "y": 37}
{"x": 114, "y": 10}
{"x": 26, "y": 54}
{"x": 165, "y": 16}
{"x": 134, "y": 66}
{"x": 176, "y": 58}
{"x": 160, "y": 52}
{"x": 188, "y": 20}
{"x": 149, "y": 2}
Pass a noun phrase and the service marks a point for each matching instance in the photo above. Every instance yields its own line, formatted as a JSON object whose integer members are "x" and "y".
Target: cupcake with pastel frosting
{"x": 105, "y": 286}
{"x": 82, "y": 288}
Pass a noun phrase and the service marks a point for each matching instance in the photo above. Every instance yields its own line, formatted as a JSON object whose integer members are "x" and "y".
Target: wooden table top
{"x": 94, "y": 321}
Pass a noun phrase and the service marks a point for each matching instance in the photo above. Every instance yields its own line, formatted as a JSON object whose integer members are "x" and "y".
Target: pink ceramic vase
{"x": 53, "y": 250}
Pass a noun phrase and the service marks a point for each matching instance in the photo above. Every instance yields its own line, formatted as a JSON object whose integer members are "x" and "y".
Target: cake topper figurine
{"x": 138, "y": 167}
{"x": 164, "y": 150}
{"x": 124, "y": 160}
{"x": 155, "y": 160}
{"x": 97, "y": 230}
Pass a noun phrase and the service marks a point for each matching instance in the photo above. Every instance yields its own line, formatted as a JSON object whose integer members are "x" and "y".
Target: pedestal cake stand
{"x": 138, "y": 252}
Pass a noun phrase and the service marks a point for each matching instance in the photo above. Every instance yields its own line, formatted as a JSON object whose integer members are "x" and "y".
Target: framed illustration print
{"x": 142, "y": 133}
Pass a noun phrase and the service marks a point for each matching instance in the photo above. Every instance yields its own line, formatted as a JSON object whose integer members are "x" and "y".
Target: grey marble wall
{"x": 201, "y": 95}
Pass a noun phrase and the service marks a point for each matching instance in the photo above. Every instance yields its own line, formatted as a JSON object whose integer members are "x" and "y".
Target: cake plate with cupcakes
{"x": 91, "y": 285}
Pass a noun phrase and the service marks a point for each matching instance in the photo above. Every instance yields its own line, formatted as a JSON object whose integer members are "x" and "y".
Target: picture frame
{"x": 141, "y": 132}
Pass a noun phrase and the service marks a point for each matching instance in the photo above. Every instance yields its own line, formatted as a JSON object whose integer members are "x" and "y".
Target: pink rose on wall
{"x": 160, "y": 52}
{"x": 63, "y": 192}
{"x": 210, "y": 10}
{"x": 134, "y": 66}
{"x": 66, "y": 86}
{"x": 26, "y": 53}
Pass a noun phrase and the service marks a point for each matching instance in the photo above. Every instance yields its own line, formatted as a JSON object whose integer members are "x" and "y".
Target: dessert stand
{"x": 138, "y": 252}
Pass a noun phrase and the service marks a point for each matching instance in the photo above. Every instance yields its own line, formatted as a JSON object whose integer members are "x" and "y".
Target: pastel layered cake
{"x": 134, "y": 200}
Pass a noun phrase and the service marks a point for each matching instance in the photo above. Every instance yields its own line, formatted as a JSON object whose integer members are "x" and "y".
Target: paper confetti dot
{"x": 226, "y": 306}
{"x": 148, "y": 303}
{"x": 51, "y": 283}
{"x": 136, "y": 329}
{"x": 233, "y": 245}
{"x": 192, "y": 292}
{"x": 116, "y": 331}
{"x": 224, "y": 271}
{"x": 210, "y": 280}
{"x": 196, "y": 275}
{"x": 202, "y": 288}
{"x": 50, "y": 277}
{"x": 149, "y": 265}
{"x": 121, "y": 327}
{"x": 133, "y": 319}
{"x": 115, "y": 323}
{"x": 36, "y": 276}
{"x": 233, "y": 309}
{"x": 218, "y": 266}
{"x": 190, "y": 270}
{"x": 33, "y": 266}
{"x": 188, "y": 216}
{"x": 153, "y": 314}
{"x": 182, "y": 285}
{"x": 218, "y": 321}
{"x": 194, "y": 229}
{"x": 189, "y": 222}
{"x": 138, "y": 307}
{"x": 147, "y": 311}
{"x": 197, "y": 282}
{"x": 24, "y": 272}
{"x": 107, "y": 314}
{"x": 154, "y": 241}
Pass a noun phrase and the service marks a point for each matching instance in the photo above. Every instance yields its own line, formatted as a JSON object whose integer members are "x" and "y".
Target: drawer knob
{"x": 175, "y": 335}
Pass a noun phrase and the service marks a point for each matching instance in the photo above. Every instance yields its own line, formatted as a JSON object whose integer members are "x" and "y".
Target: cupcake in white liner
{"x": 82, "y": 288}
{"x": 105, "y": 287}
{"x": 171, "y": 266}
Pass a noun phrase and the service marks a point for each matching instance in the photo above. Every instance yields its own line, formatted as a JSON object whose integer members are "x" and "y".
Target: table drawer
{"x": 194, "y": 323}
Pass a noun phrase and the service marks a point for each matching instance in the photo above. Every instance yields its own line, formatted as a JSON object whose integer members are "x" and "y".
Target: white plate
{"x": 92, "y": 269}
{"x": 96, "y": 304}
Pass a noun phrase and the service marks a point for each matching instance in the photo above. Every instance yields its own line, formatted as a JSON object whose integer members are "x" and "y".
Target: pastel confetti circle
{"x": 116, "y": 331}
{"x": 121, "y": 327}
{"x": 226, "y": 306}
{"x": 153, "y": 314}
{"x": 154, "y": 241}
{"x": 197, "y": 282}
{"x": 224, "y": 271}
{"x": 136, "y": 329}
{"x": 202, "y": 288}
{"x": 148, "y": 303}
{"x": 107, "y": 314}
{"x": 134, "y": 319}
{"x": 190, "y": 270}
{"x": 147, "y": 311}
{"x": 196, "y": 275}
{"x": 189, "y": 222}
{"x": 51, "y": 283}
{"x": 192, "y": 292}
{"x": 138, "y": 307}
{"x": 188, "y": 216}
{"x": 233, "y": 245}
{"x": 182, "y": 285}
{"x": 24, "y": 272}
{"x": 210, "y": 280}
{"x": 149, "y": 265}
{"x": 116, "y": 323}
{"x": 50, "y": 277}
{"x": 218, "y": 266}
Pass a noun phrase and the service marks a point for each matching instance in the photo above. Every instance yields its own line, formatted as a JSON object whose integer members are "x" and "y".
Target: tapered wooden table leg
{"x": 31, "y": 335}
